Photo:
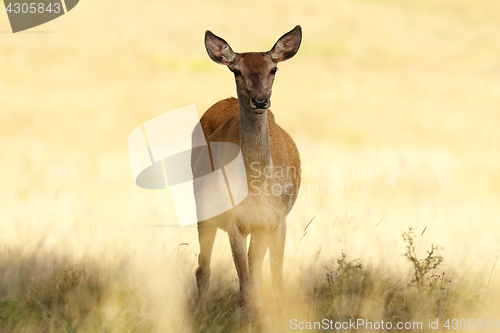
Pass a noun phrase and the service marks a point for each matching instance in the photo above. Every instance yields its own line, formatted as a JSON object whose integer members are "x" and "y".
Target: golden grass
{"x": 409, "y": 87}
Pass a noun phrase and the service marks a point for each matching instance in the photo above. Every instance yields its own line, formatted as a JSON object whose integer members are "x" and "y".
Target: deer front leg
{"x": 276, "y": 254}
{"x": 256, "y": 253}
{"x": 206, "y": 234}
{"x": 238, "y": 243}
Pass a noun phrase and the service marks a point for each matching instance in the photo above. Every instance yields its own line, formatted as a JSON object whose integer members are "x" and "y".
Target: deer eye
{"x": 273, "y": 71}
{"x": 236, "y": 72}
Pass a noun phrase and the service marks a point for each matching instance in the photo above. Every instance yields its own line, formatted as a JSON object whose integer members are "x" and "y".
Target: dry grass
{"x": 409, "y": 87}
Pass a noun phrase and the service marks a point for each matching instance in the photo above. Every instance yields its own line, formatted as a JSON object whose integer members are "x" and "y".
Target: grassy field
{"x": 394, "y": 106}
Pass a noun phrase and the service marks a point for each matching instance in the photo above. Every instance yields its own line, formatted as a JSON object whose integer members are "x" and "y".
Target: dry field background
{"x": 409, "y": 88}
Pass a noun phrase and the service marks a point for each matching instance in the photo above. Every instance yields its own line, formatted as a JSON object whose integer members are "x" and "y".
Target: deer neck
{"x": 254, "y": 139}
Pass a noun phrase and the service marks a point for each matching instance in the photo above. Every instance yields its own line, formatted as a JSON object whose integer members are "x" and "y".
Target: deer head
{"x": 254, "y": 72}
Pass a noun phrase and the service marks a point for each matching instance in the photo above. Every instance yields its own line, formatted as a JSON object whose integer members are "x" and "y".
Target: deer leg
{"x": 276, "y": 254}
{"x": 256, "y": 253}
{"x": 238, "y": 243}
{"x": 206, "y": 234}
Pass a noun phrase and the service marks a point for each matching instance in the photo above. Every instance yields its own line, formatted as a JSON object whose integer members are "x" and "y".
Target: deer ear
{"x": 287, "y": 45}
{"x": 218, "y": 49}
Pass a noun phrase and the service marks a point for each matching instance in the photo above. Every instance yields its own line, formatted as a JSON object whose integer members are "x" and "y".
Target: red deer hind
{"x": 271, "y": 162}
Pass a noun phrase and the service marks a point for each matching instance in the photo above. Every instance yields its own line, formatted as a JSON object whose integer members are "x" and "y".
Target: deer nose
{"x": 260, "y": 103}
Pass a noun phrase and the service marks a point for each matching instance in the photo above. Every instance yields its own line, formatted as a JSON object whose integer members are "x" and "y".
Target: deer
{"x": 271, "y": 160}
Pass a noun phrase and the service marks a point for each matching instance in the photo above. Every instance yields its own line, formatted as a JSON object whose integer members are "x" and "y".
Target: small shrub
{"x": 421, "y": 266}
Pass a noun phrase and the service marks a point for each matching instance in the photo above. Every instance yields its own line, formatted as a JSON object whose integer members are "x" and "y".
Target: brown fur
{"x": 221, "y": 123}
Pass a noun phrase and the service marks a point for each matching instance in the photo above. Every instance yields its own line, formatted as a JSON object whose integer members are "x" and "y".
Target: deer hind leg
{"x": 206, "y": 235}
{"x": 276, "y": 255}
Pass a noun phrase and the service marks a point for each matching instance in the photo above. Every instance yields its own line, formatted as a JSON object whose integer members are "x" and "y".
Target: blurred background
{"x": 396, "y": 103}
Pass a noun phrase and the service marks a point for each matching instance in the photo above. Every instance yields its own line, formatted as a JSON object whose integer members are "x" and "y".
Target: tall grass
{"x": 60, "y": 296}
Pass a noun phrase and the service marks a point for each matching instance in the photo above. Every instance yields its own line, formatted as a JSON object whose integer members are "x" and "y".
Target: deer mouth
{"x": 259, "y": 111}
